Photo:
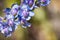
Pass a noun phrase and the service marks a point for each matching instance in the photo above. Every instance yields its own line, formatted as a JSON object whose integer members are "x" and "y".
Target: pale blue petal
{"x": 31, "y": 13}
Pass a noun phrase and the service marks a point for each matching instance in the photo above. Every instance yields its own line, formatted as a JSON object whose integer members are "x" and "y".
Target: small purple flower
{"x": 5, "y": 30}
{"x": 25, "y": 1}
{"x": 10, "y": 22}
{"x": 30, "y": 2}
{"x": 1, "y": 19}
{"x": 15, "y": 6}
{"x": 25, "y": 13}
{"x": 44, "y": 2}
{"x": 1, "y": 26}
{"x": 14, "y": 9}
{"x": 25, "y": 24}
{"x": 24, "y": 6}
{"x": 6, "y": 10}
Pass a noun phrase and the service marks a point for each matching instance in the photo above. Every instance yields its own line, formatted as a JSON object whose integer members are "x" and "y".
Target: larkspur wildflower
{"x": 19, "y": 15}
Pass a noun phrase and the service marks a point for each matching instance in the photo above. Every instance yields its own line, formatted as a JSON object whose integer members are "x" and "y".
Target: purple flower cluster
{"x": 19, "y": 15}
